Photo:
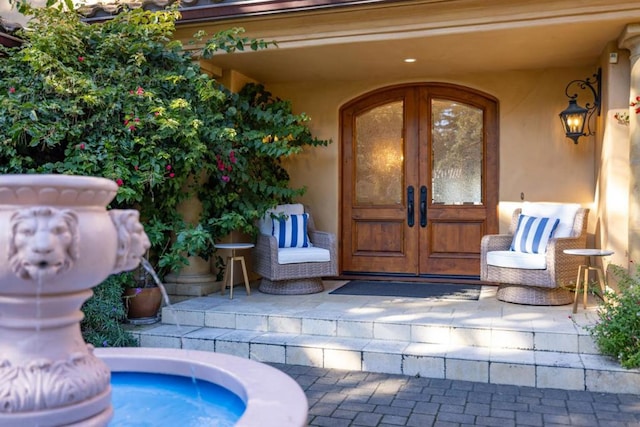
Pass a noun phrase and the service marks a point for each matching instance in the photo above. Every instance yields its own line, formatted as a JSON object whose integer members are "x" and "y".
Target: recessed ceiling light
{"x": 409, "y": 60}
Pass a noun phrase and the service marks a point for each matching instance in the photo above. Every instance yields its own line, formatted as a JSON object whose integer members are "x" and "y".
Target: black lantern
{"x": 574, "y": 117}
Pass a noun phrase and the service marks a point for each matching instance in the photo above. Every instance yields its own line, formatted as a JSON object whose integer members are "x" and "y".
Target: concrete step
{"x": 478, "y": 346}
{"x": 430, "y": 328}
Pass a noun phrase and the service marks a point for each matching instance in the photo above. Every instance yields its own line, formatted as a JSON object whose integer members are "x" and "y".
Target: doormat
{"x": 410, "y": 289}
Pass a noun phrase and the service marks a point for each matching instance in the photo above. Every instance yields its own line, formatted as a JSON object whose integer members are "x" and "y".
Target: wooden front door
{"x": 419, "y": 180}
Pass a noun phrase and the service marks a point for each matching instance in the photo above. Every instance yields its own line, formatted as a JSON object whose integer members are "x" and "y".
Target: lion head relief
{"x": 43, "y": 242}
{"x": 132, "y": 240}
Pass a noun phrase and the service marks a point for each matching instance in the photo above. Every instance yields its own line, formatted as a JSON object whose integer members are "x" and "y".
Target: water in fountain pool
{"x": 169, "y": 400}
{"x": 142, "y": 399}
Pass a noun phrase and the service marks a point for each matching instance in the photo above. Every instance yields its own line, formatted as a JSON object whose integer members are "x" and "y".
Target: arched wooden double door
{"x": 419, "y": 180}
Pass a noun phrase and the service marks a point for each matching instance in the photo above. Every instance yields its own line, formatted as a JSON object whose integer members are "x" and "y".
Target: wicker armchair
{"x": 293, "y": 278}
{"x": 548, "y": 285}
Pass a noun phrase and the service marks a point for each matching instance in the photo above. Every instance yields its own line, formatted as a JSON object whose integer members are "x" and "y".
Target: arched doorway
{"x": 419, "y": 180}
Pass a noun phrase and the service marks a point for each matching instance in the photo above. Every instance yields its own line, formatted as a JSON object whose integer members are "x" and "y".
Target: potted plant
{"x": 142, "y": 298}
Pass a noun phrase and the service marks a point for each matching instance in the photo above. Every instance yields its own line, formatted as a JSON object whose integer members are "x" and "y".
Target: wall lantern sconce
{"x": 574, "y": 117}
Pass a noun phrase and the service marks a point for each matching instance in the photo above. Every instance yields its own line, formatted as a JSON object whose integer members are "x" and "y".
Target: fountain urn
{"x": 57, "y": 241}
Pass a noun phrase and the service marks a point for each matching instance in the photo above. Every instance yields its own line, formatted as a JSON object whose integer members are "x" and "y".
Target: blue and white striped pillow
{"x": 291, "y": 232}
{"x": 533, "y": 233}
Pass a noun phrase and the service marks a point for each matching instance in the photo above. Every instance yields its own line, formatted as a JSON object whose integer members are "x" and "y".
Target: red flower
{"x": 126, "y": 122}
{"x": 136, "y": 167}
{"x": 136, "y": 120}
{"x": 171, "y": 175}
{"x": 139, "y": 91}
{"x": 81, "y": 58}
{"x": 225, "y": 178}
{"x": 12, "y": 89}
{"x": 132, "y": 128}
{"x": 168, "y": 167}
{"x": 232, "y": 156}
{"x": 120, "y": 182}
{"x": 81, "y": 146}
{"x": 130, "y": 92}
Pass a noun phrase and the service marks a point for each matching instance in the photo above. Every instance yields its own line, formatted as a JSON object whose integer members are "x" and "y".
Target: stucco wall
{"x": 535, "y": 157}
{"x": 612, "y": 163}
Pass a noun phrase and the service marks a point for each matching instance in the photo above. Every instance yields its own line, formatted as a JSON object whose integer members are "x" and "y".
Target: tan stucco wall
{"x": 535, "y": 157}
{"x": 612, "y": 160}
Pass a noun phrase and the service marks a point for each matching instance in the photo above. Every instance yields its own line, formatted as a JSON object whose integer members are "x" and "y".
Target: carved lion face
{"x": 43, "y": 243}
{"x": 132, "y": 240}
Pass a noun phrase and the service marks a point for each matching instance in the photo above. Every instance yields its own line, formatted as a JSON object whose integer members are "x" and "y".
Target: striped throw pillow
{"x": 291, "y": 232}
{"x": 533, "y": 233}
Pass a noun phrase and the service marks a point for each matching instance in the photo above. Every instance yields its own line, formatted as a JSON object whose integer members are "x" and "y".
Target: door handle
{"x": 410, "y": 213}
{"x": 423, "y": 206}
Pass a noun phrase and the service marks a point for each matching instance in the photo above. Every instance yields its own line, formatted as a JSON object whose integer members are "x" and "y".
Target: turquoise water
{"x": 141, "y": 400}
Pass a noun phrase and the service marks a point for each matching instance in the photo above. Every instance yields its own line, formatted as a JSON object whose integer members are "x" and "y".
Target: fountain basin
{"x": 272, "y": 398}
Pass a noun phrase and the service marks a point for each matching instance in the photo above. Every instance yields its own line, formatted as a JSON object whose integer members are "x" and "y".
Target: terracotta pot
{"x": 143, "y": 304}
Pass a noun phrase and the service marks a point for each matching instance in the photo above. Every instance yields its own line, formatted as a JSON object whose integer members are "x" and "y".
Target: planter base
{"x": 144, "y": 320}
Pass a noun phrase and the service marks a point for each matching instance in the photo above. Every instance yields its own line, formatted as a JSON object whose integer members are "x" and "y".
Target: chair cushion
{"x": 565, "y": 212}
{"x": 266, "y": 225}
{"x": 298, "y": 255}
{"x": 513, "y": 259}
{"x": 533, "y": 233}
{"x": 291, "y": 232}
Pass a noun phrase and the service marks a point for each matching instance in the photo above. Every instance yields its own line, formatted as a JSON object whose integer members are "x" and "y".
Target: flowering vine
{"x": 636, "y": 104}
{"x": 136, "y": 109}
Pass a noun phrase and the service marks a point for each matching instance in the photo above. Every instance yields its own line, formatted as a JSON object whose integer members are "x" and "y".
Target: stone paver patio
{"x": 352, "y": 398}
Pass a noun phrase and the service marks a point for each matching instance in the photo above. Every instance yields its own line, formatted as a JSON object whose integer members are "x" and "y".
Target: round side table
{"x": 583, "y": 273}
{"x": 228, "y": 272}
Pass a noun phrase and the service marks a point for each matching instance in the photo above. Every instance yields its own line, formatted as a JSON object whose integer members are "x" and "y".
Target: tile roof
{"x": 211, "y": 10}
{"x": 7, "y": 29}
{"x": 199, "y": 10}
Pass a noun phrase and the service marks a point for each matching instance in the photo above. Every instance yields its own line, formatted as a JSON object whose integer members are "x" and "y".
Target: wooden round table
{"x": 583, "y": 273}
{"x": 228, "y": 271}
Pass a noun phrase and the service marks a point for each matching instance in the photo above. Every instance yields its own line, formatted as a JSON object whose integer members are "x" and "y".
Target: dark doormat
{"x": 410, "y": 289}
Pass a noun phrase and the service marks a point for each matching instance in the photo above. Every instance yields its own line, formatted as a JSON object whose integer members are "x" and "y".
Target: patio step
{"x": 479, "y": 346}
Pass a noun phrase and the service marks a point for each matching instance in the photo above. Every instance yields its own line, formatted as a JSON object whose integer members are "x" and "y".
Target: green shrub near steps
{"x": 617, "y": 331}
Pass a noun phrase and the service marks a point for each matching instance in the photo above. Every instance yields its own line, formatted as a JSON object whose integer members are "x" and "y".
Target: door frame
{"x": 491, "y": 156}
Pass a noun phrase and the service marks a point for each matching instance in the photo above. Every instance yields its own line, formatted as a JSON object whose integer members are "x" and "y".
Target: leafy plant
{"x": 617, "y": 332}
{"x": 123, "y": 100}
{"x": 103, "y": 316}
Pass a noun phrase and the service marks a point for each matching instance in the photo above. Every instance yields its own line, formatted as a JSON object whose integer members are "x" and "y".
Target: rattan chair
{"x": 548, "y": 286}
{"x": 293, "y": 278}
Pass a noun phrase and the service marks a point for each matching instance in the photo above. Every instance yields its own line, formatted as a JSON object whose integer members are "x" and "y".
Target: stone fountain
{"x": 58, "y": 241}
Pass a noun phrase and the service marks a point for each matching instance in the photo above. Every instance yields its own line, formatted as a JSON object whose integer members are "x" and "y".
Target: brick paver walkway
{"x": 353, "y": 398}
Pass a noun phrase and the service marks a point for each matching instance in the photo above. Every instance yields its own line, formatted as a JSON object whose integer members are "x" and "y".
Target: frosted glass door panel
{"x": 457, "y": 144}
{"x": 379, "y": 163}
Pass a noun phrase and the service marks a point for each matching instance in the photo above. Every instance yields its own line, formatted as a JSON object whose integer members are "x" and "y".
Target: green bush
{"x": 617, "y": 331}
{"x": 103, "y": 316}
{"x": 123, "y": 100}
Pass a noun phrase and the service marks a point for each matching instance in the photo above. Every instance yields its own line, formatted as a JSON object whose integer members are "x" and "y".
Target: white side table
{"x": 583, "y": 273}
{"x": 228, "y": 273}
